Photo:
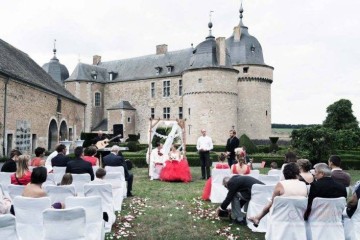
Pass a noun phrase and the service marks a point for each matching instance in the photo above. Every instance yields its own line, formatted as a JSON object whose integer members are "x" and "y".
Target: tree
{"x": 249, "y": 145}
{"x": 340, "y": 116}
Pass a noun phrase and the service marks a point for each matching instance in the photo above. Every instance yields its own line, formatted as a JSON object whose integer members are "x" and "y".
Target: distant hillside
{"x": 291, "y": 126}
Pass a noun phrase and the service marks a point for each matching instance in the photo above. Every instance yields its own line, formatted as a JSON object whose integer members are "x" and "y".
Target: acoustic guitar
{"x": 103, "y": 143}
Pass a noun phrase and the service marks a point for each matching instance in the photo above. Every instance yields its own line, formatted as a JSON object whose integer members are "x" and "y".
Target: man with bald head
{"x": 204, "y": 146}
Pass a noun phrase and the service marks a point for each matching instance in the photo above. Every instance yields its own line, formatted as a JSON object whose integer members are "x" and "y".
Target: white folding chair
{"x": 15, "y": 190}
{"x": 94, "y": 216}
{"x": 95, "y": 168}
{"x": 117, "y": 188}
{"x": 105, "y": 192}
{"x": 218, "y": 191}
{"x": 79, "y": 180}
{"x": 260, "y": 195}
{"x": 269, "y": 179}
{"x": 276, "y": 172}
{"x": 8, "y": 227}
{"x": 254, "y": 173}
{"x": 59, "y": 193}
{"x": 286, "y": 219}
{"x": 119, "y": 169}
{"x": 5, "y": 180}
{"x": 58, "y": 173}
{"x": 61, "y": 224}
{"x": 325, "y": 219}
{"x": 29, "y": 220}
{"x": 352, "y": 225}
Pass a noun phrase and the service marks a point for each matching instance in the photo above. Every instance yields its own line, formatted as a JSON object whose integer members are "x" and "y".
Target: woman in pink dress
{"x": 176, "y": 169}
{"x": 220, "y": 165}
{"x": 39, "y": 159}
{"x": 240, "y": 167}
{"x": 90, "y": 153}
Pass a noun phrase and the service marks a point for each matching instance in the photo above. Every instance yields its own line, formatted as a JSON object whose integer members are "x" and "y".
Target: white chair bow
{"x": 15, "y": 190}
{"x": 218, "y": 191}
{"x": 117, "y": 183}
{"x": 79, "y": 180}
{"x": 8, "y": 227}
{"x": 59, "y": 193}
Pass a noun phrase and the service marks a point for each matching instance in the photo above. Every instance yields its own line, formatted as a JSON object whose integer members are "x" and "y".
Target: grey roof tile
{"x": 122, "y": 105}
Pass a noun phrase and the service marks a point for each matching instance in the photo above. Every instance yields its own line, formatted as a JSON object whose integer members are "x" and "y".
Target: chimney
{"x": 161, "y": 49}
{"x": 96, "y": 59}
{"x": 237, "y": 33}
{"x": 221, "y": 51}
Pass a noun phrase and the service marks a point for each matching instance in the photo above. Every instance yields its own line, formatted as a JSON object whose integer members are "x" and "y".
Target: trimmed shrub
{"x": 133, "y": 146}
{"x": 133, "y": 138}
{"x": 250, "y": 146}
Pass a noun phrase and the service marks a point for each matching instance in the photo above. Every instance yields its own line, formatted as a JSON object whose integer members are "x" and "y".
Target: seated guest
{"x": 290, "y": 187}
{"x": 67, "y": 179}
{"x": 353, "y": 202}
{"x": 99, "y": 176}
{"x": 39, "y": 159}
{"x": 273, "y": 165}
{"x": 337, "y": 173}
{"x": 114, "y": 160}
{"x": 10, "y": 164}
{"x": 79, "y": 165}
{"x": 5, "y": 204}
{"x": 60, "y": 160}
{"x": 240, "y": 167}
{"x": 239, "y": 195}
{"x": 220, "y": 165}
{"x": 156, "y": 162}
{"x": 324, "y": 186}
{"x": 289, "y": 157}
{"x": 305, "y": 174}
{"x": 22, "y": 175}
{"x": 90, "y": 153}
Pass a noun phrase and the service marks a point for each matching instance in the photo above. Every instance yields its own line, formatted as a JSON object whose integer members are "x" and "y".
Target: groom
{"x": 156, "y": 163}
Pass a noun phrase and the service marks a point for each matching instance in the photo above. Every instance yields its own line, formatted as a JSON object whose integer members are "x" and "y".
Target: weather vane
{"x": 210, "y": 14}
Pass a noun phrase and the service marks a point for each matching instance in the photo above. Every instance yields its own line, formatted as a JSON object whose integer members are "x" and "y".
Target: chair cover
{"x": 59, "y": 193}
{"x": 218, "y": 191}
{"x": 94, "y": 216}
{"x": 120, "y": 170}
{"x": 274, "y": 172}
{"x": 61, "y": 224}
{"x": 50, "y": 180}
{"x": 15, "y": 190}
{"x": 286, "y": 219}
{"x": 352, "y": 225}
{"x": 117, "y": 188}
{"x": 58, "y": 173}
{"x": 254, "y": 173}
{"x": 260, "y": 195}
{"x": 79, "y": 180}
{"x": 269, "y": 179}
{"x": 29, "y": 218}
{"x": 95, "y": 168}
{"x": 325, "y": 220}
{"x": 8, "y": 227}
{"x": 5, "y": 181}
{"x": 105, "y": 192}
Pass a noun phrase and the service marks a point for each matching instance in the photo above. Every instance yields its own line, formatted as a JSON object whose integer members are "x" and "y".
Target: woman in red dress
{"x": 220, "y": 165}
{"x": 90, "y": 153}
{"x": 176, "y": 169}
{"x": 240, "y": 167}
{"x": 22, "y": 176}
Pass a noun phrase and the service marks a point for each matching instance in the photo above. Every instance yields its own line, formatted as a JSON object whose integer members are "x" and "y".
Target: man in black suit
{"x": 114, "y": 160}
{"x": 79, "y": 165}
{"x": 10, "y": 165}
{"x": 239, "y": 194}
{"x": 232, "y": 143}
{"x": 61, "y": 159}
{"x": 324, "y": 187}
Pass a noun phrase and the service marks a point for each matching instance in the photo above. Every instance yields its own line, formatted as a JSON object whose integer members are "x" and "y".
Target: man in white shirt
{"x": 204, "y": 145}
{"x": 156, "y": 161}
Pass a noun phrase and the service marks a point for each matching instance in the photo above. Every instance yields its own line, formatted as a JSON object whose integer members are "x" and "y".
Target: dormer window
{"x": 170, "y": 68}
{"x": 252, "y": 48}
{"x": 94, "y": 75}
{"x": 158, "y": 70}
{"x": 111, "y": 76}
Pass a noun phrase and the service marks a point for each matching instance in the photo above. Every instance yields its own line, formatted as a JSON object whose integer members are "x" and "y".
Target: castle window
{"x": 180, "y": 87}
{"x": 153, "y": 89}
{"x": 252, "y": 48}
{"x": 94, "y": 75}
{"x": 129, "y": 119}
{"x": 166, "y": 113}
{"x": 152, "y": 113}
{"x": 166, "y": 88}
{"x": 97, "y": 99}
{"x": 158, "y": 70}
{"x": 111, "y": 76}
{"x": 245, "y": 69}
{"x": 199, "y": 80}
{"x": 180, "y": 113}
{"x": 170, "y": 68}
{"x": 58, "y": 107}
{"x": 189, "y": 111}
{"x": 266, "y": 113}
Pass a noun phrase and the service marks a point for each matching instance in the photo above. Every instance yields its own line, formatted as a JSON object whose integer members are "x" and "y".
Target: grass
{"x": 164, "y": 210}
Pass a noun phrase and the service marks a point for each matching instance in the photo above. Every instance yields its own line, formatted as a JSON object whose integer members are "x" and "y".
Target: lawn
{"x": 163, "y": 210}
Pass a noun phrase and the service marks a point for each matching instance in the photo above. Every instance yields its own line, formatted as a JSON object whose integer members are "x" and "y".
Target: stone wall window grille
{"x": 166, "y": 88}
{"x": 245, "y": 69}
{"x": 152, "y": 89}
{"x": 180, "y": 113}
{"x": 97, "y": 99}
{"x": 180, "y": 87}
{"x": 166, "y": 113}
{"x": 152, "y": 113}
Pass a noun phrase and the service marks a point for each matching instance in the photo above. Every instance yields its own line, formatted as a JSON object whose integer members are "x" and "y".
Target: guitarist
{"x": 101, "y": 136}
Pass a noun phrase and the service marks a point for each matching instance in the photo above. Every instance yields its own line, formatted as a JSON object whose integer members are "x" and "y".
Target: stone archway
{"x": 63, "y": 131}
{"x": 53, "y": 135}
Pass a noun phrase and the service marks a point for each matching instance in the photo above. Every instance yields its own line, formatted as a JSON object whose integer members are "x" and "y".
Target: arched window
{"x": 97, "y": 99}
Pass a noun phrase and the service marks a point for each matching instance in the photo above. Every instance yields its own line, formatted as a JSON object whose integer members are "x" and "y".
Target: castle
{"x": 219, "y": 85}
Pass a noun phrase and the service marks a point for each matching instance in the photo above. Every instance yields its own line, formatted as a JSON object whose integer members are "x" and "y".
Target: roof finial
{"x": 241, "y": 14}
{"x": 54, "y": 50}
{"x": 210, "y": 25}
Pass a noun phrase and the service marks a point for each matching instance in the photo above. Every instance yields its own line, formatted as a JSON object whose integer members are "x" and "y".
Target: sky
{"x": 314, "y": 46}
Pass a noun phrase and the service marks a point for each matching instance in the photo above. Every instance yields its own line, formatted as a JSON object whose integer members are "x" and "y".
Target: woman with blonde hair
{"x": 22, "y": 176}
{"x": 240, "y": 167}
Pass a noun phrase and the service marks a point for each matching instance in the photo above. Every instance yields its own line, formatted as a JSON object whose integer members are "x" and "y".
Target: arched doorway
{"x": 53, "y": 135}
{"x": 63, "y": 131}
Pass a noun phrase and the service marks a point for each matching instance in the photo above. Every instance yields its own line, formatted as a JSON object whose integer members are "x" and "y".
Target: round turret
{"x": 55, "y": 69}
